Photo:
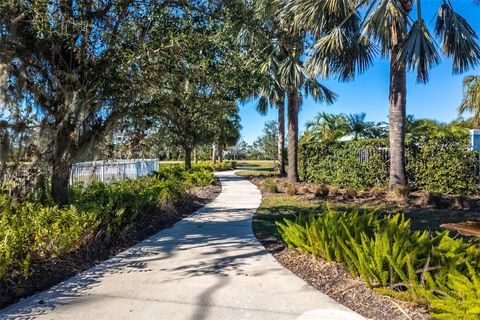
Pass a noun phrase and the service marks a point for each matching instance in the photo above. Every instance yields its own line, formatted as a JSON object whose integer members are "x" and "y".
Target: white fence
{"x": 109, "y": 171}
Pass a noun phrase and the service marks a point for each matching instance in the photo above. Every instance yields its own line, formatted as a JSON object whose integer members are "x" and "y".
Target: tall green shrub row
{"x": 339, "y": 163}
{"x": 433, "y": 163}
{"x": 32, "y": 231}
{"x": 430, "y": 268}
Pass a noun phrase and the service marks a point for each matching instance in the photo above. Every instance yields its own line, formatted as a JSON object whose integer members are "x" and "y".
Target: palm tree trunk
{"x": 281, "y": 136}
{"x": 293, "y": 105}
{"x": 397, "y": 109}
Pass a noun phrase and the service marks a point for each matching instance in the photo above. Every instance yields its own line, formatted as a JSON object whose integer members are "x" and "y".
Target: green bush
{"x": 443, "y": 165}
{"x": 393, "y": 259}
{"x": 436, "y": 164}
{"x": 31, "y": 231}
{"x": 217, "y": 166}
{"x": 337, "y": 163}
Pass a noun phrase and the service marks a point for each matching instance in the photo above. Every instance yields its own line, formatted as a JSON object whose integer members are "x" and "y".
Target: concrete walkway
{"x": 207, "y": 266}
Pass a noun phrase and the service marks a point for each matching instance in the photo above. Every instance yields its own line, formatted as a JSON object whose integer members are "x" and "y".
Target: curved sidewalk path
{"x": 207, "y": 266}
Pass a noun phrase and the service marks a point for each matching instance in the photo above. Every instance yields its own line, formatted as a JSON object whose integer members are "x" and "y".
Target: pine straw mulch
{"x": 47, "y": 273}
{"x": 335, "y": 280}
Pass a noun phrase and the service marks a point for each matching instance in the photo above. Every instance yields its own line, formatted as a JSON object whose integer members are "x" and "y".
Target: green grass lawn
{"x": 255, "y": 168}
{"x": 277, "y": 206}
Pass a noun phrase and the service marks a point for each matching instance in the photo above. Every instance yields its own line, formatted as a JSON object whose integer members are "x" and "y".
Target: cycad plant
{"x": 348, "y": 34}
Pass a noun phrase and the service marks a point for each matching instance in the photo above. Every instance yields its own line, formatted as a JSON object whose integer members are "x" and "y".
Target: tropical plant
{"x": 357, "y": 125}
{"x": 393, "y": 259}
{"x": 346, "y": 34}
{"x": 327, "y": 127}
{"x": 285, "y": 46}
{"x": 471, "y": 97}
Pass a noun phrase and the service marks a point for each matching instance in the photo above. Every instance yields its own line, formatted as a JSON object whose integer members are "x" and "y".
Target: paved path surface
{"x": 207, "y": 266}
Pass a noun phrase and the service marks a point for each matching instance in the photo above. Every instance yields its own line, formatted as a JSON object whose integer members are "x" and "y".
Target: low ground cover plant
{"x": 433, "y": 269}
{"x": 34, "y": 231}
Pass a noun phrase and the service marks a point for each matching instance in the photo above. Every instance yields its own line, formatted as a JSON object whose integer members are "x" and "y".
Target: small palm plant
{"x": 471, "y": 98}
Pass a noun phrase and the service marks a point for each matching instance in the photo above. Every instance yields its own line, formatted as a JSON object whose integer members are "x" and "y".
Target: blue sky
{"x": 438, "y": 99}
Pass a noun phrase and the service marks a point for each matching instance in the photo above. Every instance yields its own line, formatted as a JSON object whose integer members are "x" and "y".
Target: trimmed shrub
{"x": 436, "y": 164}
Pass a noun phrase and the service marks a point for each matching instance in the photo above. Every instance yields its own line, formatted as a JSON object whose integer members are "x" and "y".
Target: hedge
{"x": 437, "y": 164}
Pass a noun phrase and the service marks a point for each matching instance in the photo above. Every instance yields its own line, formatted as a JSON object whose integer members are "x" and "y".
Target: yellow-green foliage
{"x": 217, "y": 166}
{"x": 33, "y": 231}
{"x": 459, "y": 297}
{"x": 387, "y": 254}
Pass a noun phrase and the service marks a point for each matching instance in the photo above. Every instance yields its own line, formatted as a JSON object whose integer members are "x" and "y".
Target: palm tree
{"x": 471, "y": 98}
{"x": 298, "y": 83}
{"x": 357, "y": 125}
{"x": 283, "y": 48}
{"x": 327, "y": 127}
{"x": 347, "y": 32}
{"x": 257, "y": 37}
{"x": 271, "y": 94}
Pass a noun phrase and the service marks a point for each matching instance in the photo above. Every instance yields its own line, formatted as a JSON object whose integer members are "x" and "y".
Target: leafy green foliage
{"x": 393, "y": 259}
{"x": 440, "y": 164}
{"x": 462, "y": 298}
{"x": 337, "y": 163}
{"x": 31, "y": 231}
{"x": 215, "y": 166}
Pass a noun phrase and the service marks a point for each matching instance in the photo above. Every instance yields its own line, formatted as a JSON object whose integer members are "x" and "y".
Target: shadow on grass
{"x": 420, "y": 219}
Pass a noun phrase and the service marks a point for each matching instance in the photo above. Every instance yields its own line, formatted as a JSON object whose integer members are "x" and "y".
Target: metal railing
{"x": 110, "y": 171}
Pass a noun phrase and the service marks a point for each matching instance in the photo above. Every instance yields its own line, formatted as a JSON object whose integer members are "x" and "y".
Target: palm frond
{"x": 319, "y": 92}
{"x": 262, "y": 105}
{"x": 459, "y": 40}
{"x": 471, "y": 96}
{"x": 291, "y": 73}
{"x": 341, "y": 54}
{"x": 419, "y": 51}
{"x": 387, "y": 16}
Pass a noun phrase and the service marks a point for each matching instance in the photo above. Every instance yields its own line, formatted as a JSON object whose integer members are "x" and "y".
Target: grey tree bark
{"x": 397, "y": 114}
{"x": 293, "y": 106}
{"x": 281, "y": 136}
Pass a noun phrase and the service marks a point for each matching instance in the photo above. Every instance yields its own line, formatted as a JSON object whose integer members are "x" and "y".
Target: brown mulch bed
{"x": 48, "y": 273}
{"x": 419, "y": 199}
{"x": 335, "y": 280}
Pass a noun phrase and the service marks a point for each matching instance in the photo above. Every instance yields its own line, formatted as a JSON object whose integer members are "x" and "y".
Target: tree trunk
{"x": 214, "y": 153}
{"x": 195, "y": 156}
{"x": 281, "y": 136}
{"x": 61, "y": 166}
{"x": 220, "y": 154}
{"x": 188, "y": 158}
{"x": 293, "y": 106}
{"x": 397, "y": 109}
